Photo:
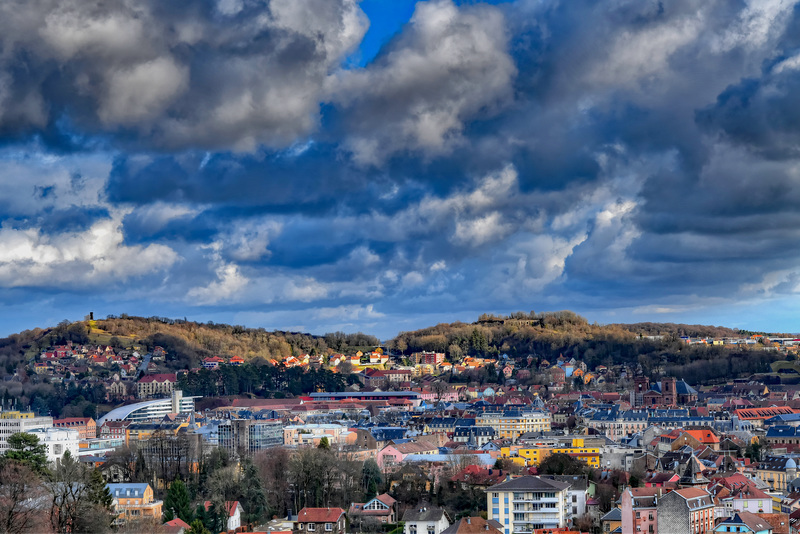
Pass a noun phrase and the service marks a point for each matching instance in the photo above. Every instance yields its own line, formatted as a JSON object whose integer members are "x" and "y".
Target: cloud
{"x": 237, "y": 75}
{"x": 450, "y": 65}
{"x": 94, "y": 257}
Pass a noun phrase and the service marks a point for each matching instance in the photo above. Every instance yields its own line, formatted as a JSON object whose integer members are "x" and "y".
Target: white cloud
{"x": 92, "y": 257}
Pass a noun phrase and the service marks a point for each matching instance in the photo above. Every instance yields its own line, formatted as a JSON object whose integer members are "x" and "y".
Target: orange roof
{"x": 703, "y": 436}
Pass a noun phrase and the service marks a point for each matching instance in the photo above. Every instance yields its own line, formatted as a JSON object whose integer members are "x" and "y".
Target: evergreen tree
{"x": 178, "y": 503}
{"x": 370, "y": 478}
{"x": 197, "y": 527}
{"x": 324, "y": 444}
{"x": 254, "y": 498}
{"x": 98, "y": 490}
{"x": 26, "y": 449}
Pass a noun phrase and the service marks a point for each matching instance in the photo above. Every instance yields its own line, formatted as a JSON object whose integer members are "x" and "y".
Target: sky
{"x": 385, "y": 165}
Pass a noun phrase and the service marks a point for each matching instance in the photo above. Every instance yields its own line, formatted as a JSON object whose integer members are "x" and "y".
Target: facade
{"x": 320, "y": 521}
{"x": 777, "y": 471}
{"x": 249, "y": 436}
{"x": 527, "y": 503}
{"x": 686, "y": 511}
{"x": 58, "y": 441}
{"x": 639, "y": 509}
{"x": 425, "y": 520}
{"x": 86, "y": 426}
{"x": 745, "y": 522}
{"x": 134, "y": 502}
{"x": 12, "y": 422}
{"x": 512, "y": 424}
{"x": 311, "y": 434}
{"x": 159, "y": 385}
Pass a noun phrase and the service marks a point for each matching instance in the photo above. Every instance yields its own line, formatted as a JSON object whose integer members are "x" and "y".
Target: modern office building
{"x": 248, "y": 436}
{"x": 58, "y": 441}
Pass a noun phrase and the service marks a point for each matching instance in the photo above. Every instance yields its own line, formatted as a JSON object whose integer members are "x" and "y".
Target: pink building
{"x": 639, "y": 508}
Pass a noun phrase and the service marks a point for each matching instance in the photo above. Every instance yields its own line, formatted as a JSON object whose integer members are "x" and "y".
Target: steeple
{"x": 693, "y": 474}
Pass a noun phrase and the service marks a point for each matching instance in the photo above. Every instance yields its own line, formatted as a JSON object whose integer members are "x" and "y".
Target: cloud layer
{"x": 631, "y": 160}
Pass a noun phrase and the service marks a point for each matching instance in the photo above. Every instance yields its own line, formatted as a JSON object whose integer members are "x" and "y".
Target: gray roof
{"x": 529, "y": 483}
{"x": 423, "y": 513}
{"x": 614, "y": 515}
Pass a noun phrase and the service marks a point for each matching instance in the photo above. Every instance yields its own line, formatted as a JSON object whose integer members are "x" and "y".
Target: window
{"x": 328, "y": 527}
{"x": 300, "y": 526}
{"x": 312, "y": 527}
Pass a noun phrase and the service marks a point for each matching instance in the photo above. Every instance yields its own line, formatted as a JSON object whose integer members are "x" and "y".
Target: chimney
{"x": 468, "y": 521}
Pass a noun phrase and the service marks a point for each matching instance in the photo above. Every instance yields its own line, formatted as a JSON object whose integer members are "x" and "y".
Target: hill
{"x": 652, "y": 348}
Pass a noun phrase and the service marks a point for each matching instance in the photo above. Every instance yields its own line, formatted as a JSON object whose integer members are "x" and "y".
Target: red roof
{"x": 161, "y": 377}
{"x": 177, "y": 522}
{"x": 319, "y": 515}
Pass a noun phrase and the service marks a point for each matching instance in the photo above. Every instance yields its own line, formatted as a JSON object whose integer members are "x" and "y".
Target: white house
{"x": 235, "y": 511}
{"x": 425, "y": 520}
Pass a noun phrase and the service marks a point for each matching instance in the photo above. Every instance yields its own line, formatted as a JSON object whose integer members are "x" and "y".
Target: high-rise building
{"x": 248, "y": 436}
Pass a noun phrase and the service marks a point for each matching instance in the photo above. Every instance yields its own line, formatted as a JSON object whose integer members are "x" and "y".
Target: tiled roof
{"x": 319, "y": 515}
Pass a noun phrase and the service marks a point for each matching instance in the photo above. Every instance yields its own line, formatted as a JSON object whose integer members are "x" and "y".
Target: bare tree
{"x": 20, "y": 499}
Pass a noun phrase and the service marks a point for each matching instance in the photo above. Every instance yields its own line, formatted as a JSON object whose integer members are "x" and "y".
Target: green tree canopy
{"x": 26, "y": 449}
{"x": 178, "y": 503}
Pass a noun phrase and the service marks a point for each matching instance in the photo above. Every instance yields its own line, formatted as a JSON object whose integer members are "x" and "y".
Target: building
{"x": 474, "y": 525}
{"x": 383, "y": 508}
{"x": 529, "y": 502}
{"x": 777, "y": 471}
{"x": 159, "y": 385}
{"x": 512, "y": 424}
{"x": 577, "y": 449}
{"x": 86, "y": 426}
{"x": 686, "y": 511}
{"x": 248, "y": 436}
{"x": 612, "y": 521}
{"x": 639, "y": 509}
{"x": 152, "y": 409}
{"x": 234, "y": 512}
{"x": 13, "y": 422}
{"x": 58, "y": 441}
{"x": 320, "y": 521}
{"x": 745, "y": 522}
{"x": 134, "y": 502}
{"x": 425, "y": 520}
{"x": 427, "y": 358}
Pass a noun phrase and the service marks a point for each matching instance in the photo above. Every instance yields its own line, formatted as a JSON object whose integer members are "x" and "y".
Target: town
{"x": 385, "y": 440}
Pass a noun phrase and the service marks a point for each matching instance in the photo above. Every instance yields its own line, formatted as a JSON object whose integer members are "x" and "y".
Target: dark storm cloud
{"x": 228, "y": 74}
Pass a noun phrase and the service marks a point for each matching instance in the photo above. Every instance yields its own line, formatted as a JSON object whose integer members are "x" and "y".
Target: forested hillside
{"x": 546, "y": 336}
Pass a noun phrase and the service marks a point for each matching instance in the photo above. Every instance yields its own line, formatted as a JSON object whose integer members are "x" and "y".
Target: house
{"x": 236, "y": 361}
{"x": 475, "y": 525}
{"x": 212, "y": 362}
{"x": 320, "y": 521}
{"x": 234, "y": 512}
{"x": 176, "y": 526}
{"x": 425, "y": 520}
{"x": 612, "y": 521}
{"x": 745, "y": 522}
{"x": 383, "y": 507}
{"x": 134, "y": 502}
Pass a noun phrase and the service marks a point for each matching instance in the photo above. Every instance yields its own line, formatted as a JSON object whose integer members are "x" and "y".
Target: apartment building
{"x": 86, "y": 426}
{"x": 159, "y": 385}
{"x": 686, "y": 511}
{"x": 513, "y": 424}
{"x": 523, "y": 504}
{"x": 13, "y": 421}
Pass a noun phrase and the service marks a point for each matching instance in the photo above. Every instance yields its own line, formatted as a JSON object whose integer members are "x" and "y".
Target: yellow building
{"x": 533, "y": 456}
{"x": 135, "y": 502}
{"x": 512, "y": 425}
